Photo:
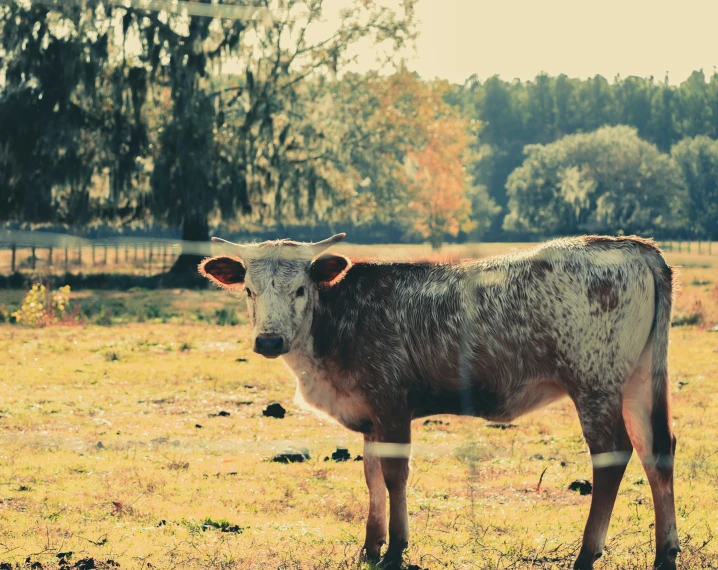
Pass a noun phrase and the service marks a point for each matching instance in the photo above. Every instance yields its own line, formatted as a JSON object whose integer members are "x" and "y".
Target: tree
{"x": 51, "y": 111}
{"x": 698, "y": 160}
{"x": 568, "y": 117}
{"x": 421, "y": 147}
{"x": 248, "y": 147}
{"x": 597, "y": 103}
{"x": 540, "y": 108}
{"x": 72, "y": 110}
{"x": 501, "y": 139}
{"x": 692, "y": 111}
{"x": 634, "y": 96}
{"x": 607, "y": 181}
{"x": 439, "y": 203}
{"x": 260, "y": 141}
{"x": 662, "y": 128}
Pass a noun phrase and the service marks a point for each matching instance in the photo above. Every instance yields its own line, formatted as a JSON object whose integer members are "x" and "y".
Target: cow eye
{"x": 248, "y": 291}
{"x": 300, "y": 291}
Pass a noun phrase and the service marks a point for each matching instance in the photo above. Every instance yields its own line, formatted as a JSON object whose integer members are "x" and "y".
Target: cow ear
{"x": 329, "y": 268}
{"x": 223, "y": 270}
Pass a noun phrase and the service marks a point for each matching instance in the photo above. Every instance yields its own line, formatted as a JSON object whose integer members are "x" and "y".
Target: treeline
{"x": 516, "y": 114}
{"x": 124, "y": 117}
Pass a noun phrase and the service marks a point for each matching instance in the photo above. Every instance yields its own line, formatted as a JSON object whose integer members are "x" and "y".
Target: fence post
{"x": 79, "y": 255}
{"x": 66, "y": 258}
{"x": 93, "y": 253}
{"x": 135, "y": 254}
{"x": 49, "y": 256}
{"x": 32, "y": 264}
{"x": 12, "y": 263}
{"x": 117, "y": 254}
{"x": 127, "y": 254}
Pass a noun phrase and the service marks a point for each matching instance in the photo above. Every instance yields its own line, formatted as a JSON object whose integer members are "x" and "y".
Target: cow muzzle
{"x": 270, "y": 346}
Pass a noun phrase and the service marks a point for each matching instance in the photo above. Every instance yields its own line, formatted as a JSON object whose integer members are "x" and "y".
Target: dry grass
{"x": 101, "y": 456}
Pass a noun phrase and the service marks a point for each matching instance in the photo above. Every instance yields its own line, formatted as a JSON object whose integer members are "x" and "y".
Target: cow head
{"x": 281, "y": 281}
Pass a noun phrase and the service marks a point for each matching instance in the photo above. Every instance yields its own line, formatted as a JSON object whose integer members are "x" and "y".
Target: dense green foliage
{"x": 698, "y": 160}
{"x": 131, "y": 111}
{"x": 122, "y": 115}
{"x": 597, "y": 182}
{"x": 514, "y": 114}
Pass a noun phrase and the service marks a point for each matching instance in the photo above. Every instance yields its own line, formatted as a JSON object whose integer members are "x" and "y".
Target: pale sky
{"x": 521, "y": 38}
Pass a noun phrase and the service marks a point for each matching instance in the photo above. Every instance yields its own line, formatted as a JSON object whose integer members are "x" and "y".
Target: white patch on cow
{"x": 321, "y": 390}
{"x": 435, "y": 288}
{"x": 491, "y": 278}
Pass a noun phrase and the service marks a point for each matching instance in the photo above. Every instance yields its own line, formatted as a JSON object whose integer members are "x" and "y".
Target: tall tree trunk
{"x": 197, "y": 230}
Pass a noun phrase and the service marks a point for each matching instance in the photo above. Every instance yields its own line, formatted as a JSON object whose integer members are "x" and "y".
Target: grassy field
{"x": 114, "y": 447}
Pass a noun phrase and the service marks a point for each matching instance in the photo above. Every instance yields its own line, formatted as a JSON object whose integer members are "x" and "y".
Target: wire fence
{"x": 33, "y": 251}
{"x": 27, "y": 251}
{"x": 699, "y": 247}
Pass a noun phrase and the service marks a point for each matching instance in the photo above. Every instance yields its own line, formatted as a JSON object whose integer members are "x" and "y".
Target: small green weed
{"x": 226, "y": 317}
{"x": 696, "y": 316}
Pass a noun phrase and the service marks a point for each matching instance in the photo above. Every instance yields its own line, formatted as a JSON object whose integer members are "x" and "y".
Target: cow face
{"x": 281, "y": 281}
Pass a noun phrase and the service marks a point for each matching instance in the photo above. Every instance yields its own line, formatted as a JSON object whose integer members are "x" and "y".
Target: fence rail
{"x": 699, "y": 247}
{"x": 36, "y": 251}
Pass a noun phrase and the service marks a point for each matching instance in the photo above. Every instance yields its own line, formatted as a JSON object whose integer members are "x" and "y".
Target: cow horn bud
{"x": 320, "y": 246}
{"x": 241, "y": 249}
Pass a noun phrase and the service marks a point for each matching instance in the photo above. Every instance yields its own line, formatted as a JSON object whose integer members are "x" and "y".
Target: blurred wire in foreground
{"x": 223, "y": 11}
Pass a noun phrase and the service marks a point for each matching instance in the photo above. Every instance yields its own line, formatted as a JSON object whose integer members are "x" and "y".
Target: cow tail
{"x": 664, "y": 442}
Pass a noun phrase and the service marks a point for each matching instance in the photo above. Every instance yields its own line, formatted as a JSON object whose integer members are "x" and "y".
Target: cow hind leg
{"x": 610, "y": 447}
{"x": 649, "y": 429}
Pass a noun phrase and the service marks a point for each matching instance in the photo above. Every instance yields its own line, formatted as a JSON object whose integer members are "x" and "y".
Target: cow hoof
{"x": 390, "y": 562}
{"x": 667, "y": 560}
{"x": 585, "y": 560}
{"x": 372, "y": 551}
{"x": 371, "y": 556}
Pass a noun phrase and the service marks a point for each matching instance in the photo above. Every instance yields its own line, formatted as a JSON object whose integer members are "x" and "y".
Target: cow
{"x": 375, "y": 345}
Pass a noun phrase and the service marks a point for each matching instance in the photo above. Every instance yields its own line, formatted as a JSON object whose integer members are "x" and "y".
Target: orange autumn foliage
{"x": 436, "y": 146}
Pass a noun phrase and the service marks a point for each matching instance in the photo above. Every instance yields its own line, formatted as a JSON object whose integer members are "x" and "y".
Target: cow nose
{"x": 269, "y": 345}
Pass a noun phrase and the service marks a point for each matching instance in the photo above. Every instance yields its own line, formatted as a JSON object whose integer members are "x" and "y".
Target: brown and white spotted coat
{"x": 375, "y": 345}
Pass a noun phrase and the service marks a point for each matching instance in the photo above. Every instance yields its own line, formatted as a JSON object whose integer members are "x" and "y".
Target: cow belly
{"x": 500, "y": 405}
{"x": 534, "y": 395}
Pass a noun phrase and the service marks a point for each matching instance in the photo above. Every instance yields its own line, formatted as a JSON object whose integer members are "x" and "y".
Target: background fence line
{"x": 23, "y": 251}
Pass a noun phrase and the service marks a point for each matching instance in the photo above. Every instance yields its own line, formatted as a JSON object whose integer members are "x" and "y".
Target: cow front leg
{"x": 376, "y": 522}
{"x": 393, "y": 448}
